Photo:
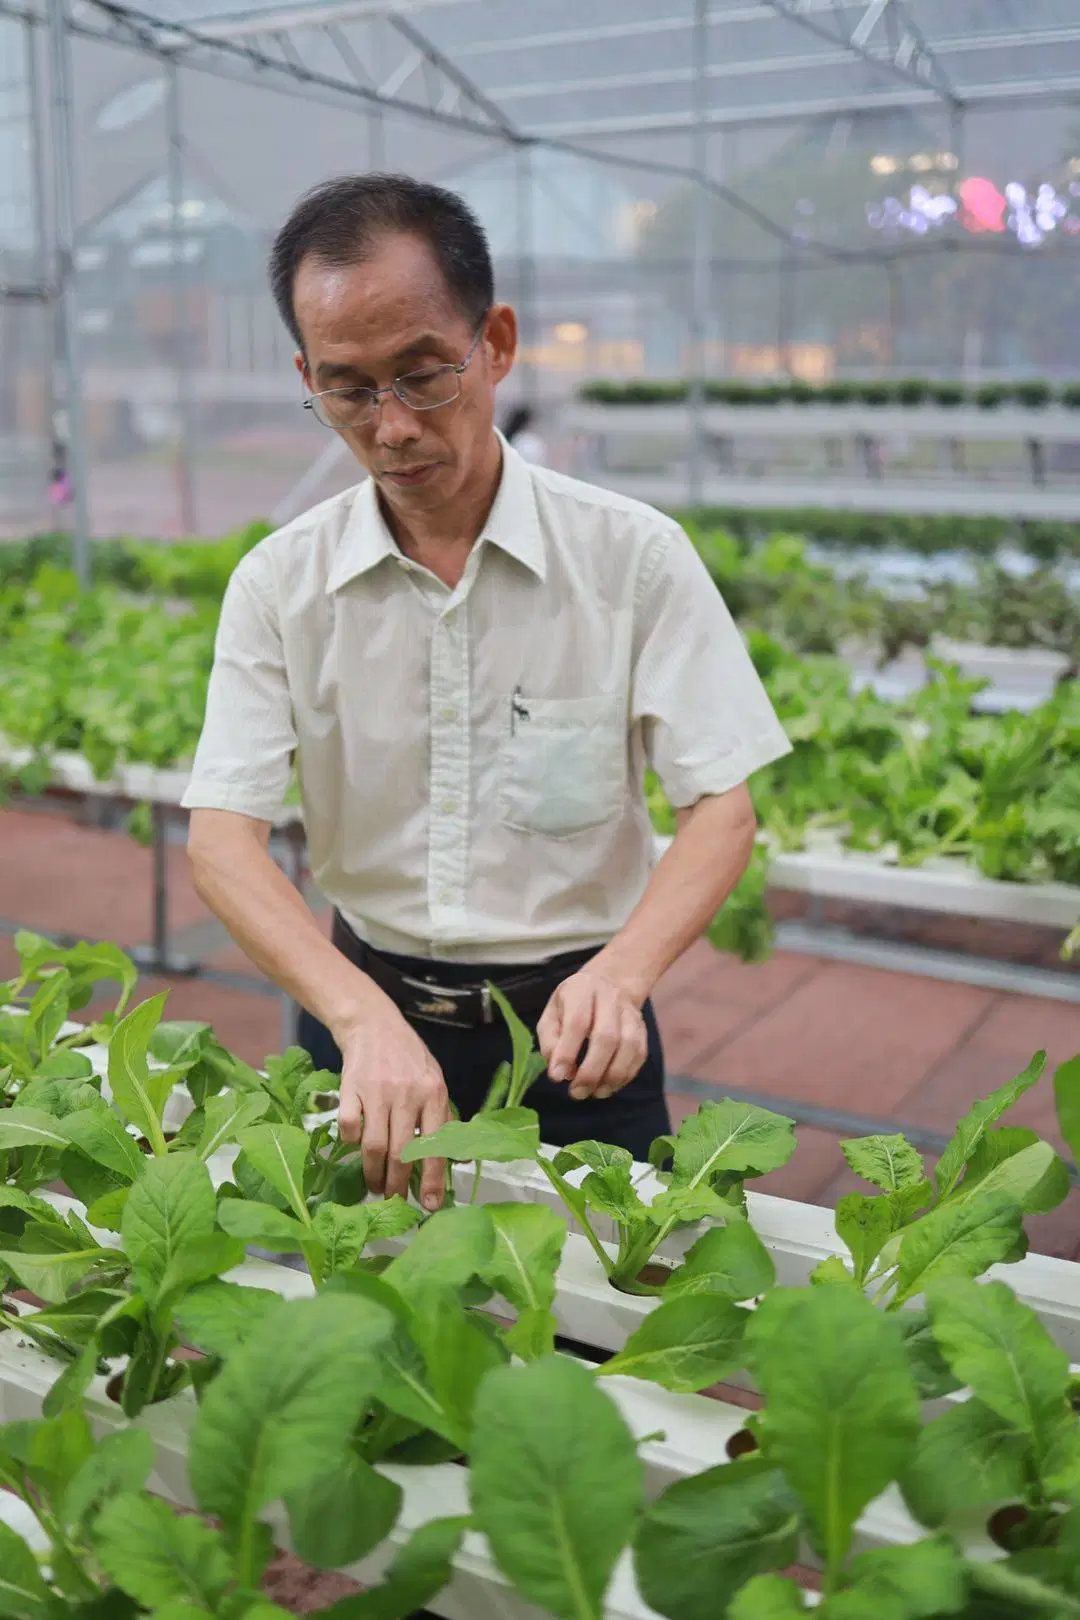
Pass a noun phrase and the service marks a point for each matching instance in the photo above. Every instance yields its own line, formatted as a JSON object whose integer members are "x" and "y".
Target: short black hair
{"x": 339, "y": 222}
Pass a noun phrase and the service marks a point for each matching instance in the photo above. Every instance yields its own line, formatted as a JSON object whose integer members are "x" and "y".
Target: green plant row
{"x": 194, "y": 570}
{"x": 299, "y": 1405}
{"x": 980, "y": 537}
{"x": 910, "y": 392}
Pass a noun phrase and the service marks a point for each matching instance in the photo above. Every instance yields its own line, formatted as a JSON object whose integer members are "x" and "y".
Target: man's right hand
{"x": 391, "y": 1087}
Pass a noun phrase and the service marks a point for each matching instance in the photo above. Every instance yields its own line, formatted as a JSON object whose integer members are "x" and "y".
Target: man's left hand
{"x": 591, "y": 1008}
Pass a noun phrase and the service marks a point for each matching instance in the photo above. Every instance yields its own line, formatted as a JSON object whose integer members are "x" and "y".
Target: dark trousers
{"x": 468, "y": 1058}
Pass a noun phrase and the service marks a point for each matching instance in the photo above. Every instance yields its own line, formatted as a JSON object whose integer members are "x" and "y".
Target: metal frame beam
{"x": 909, "y": 57}
{"x": 763, "y": 66}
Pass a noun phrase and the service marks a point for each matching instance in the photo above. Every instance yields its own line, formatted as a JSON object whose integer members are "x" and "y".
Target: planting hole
{"x": 741, "y": 1444}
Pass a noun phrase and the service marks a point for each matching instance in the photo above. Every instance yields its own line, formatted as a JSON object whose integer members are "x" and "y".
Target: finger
{"x": 374, "y": 1144}
{"x": 433, "y": 1179}
{"x": 549, "y": 1027}
{"x": 403, "y": 1122}
{"x": 604, "y": 1038}
{"x": 629, "y": 1057}
{"x": 350, "y": 1114}
{"x": 577, "y": 1021}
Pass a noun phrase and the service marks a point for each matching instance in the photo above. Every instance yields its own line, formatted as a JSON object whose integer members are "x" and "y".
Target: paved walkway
{"x": 843, "y": 1048}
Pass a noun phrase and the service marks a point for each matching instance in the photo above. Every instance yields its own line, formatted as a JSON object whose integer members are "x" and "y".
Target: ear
{"x": 300, "y": 362}
{"x": 500, "y": 340}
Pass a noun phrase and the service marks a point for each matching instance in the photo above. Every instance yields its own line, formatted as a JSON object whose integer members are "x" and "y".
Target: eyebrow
{"x": 333, "y": 370}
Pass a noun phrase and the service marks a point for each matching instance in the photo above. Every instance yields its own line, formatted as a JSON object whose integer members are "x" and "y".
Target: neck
{"x": 441, "y": 540}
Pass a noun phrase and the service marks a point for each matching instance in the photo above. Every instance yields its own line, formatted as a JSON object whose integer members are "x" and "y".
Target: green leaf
{"x": 49, "y": 1009}
{"x": 226, "y": 1115}
{"x": 971, "y": 1129}
{"x": 918, "y": 1582}
{"x": 503, "y": 1136}
{"x": 706, "y": 1536}
{"x": 685, "y": 1344}
{"x": 107, "y": 1210}
{"x": 170, "y": 1206}
{"x": 529, "y": 1241}
{"x": 343, "y": 1231}
{"x": 526, "y": 1065}
{"x": 281, "y": 1411}
{"x": 730, "y": 1136}
{"x": 727, "y": 1260}
{"x": 99, "y": 1136}
{"x": 197, "y": 1261}
{"x": 262, "y": 1224}
{"x": 219, "y": 1317}
{"x": 966, "y": 1462}
{"x": 342, "y": 1515}
{"x": 865, "y": 1224}
{"x": 52, "y": 1276}
{"x": 843, "y": 1415}
{"x": 1025, "y": 1177}
{"x": 933, "y": 1375}
{"x": 767, "y": 1597}
{"x": 832, "y": 1273}
{"x": 956, "y": 1240}
{"x": 279, "y": 1154}
{"x": 1067, "y": 1099}
{"x": 555, "y": 1483}
{"x": 120, "y": 1462}
{"x": 418, "y": 1573}
{"x": 1022, "y": 1593}
{"x": 997, "y": 1345}
{"x": 158, "y": 1556}
{"x": 23, "y": 1593}
{"x": 389, "y": 1218}
{"x": 129, "y": 1074}
{"x": 29, "y": 1127}
{"x": 1036, "y": 1195}
{"x": 890, "y": 1162}
{"x": 450, "y": 1249}
{"x": 592, "y": 1156}
{"x": 78, "y": 1318}
{"x": 433, "y": 1375}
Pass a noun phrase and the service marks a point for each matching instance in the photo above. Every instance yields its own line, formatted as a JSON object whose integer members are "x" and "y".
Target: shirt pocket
{"x": 563, "y": 766}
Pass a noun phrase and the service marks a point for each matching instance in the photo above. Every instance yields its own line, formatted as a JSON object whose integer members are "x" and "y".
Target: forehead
{"x": 375, "y": 309}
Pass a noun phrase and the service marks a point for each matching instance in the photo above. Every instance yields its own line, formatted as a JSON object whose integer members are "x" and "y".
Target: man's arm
{"x": 390, "y": 1083}
{"x": 602, "y": 1002}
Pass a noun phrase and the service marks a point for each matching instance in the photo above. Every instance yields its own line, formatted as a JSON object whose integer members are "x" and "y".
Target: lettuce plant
{"x": 919, "y": 1231}
{"x": 713, "y": 1152}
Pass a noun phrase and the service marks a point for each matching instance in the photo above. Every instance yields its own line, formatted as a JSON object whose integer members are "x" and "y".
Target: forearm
{"x": 706, "y": 859}
{"x": 266, "y": 915}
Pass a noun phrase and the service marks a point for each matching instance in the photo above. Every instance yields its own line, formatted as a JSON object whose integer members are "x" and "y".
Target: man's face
{"x": 365, "y": 324}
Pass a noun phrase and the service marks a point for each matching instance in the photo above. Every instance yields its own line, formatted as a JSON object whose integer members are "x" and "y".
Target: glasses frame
{"x": 394, "y": 388}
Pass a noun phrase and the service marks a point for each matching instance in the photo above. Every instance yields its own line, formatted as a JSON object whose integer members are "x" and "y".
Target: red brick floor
{"x": 892, "y": 1047}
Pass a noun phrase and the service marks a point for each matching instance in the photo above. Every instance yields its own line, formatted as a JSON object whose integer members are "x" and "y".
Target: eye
{"x": 428, "y": 374}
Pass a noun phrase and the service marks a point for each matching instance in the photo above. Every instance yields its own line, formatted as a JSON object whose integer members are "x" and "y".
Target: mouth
{"x": 411, "y": 477}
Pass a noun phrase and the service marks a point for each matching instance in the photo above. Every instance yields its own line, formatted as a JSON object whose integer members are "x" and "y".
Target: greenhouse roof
{"x": 624, "y": 70}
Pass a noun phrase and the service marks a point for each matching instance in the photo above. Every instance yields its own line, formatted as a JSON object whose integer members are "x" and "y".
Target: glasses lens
{"x": 349, "y": 409}
{"x": 423, "y": 390}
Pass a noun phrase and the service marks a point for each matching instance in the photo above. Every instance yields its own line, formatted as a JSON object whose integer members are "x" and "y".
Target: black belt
{"x": 468, "y": 1005}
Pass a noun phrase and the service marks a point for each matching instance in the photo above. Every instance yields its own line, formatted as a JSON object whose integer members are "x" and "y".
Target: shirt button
{"x": 448, "y": 806}
{"x": 449, "y": 715}
{"x": 444, "y": 897}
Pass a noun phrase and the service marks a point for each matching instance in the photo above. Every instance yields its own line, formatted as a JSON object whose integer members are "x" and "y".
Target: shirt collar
{"x": 513, "y": 525}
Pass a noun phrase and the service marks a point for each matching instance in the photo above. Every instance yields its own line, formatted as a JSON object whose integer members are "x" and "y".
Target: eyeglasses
{"x": 420, "y": 390}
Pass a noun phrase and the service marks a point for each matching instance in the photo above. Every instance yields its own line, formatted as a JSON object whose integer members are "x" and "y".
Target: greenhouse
{"x": 539, "y": 809}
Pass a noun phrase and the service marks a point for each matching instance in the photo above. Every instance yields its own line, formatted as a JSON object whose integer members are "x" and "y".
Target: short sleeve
{"x": 244, "y": 758}
{"x": 706, "y": 721}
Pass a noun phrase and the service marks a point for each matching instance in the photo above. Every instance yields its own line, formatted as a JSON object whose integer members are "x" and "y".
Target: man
{"x": 471, "y": 662}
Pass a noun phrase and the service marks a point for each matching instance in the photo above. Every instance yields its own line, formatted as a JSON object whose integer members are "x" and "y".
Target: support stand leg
{"x": 155, "y": 958}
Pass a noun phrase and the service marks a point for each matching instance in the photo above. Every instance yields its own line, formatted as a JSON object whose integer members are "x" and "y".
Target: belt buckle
{"x": 443, "y": 1000}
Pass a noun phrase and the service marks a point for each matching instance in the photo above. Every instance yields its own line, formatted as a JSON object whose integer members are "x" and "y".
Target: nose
{"x": 395, "y": 423}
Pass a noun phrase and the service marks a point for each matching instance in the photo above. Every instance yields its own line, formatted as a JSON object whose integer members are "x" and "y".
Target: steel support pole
{"x": 700, "y": 269}
{"x": 63, "y": 152}
{"x": 526, "y": 269}
{"x": 181, "y": 344}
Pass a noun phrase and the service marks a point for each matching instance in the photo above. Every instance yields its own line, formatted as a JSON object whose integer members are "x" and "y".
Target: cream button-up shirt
{"x": 471, "y": 761}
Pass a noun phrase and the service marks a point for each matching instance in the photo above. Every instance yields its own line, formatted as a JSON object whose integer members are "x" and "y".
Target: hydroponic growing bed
{"x": 400, "y": 1409}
